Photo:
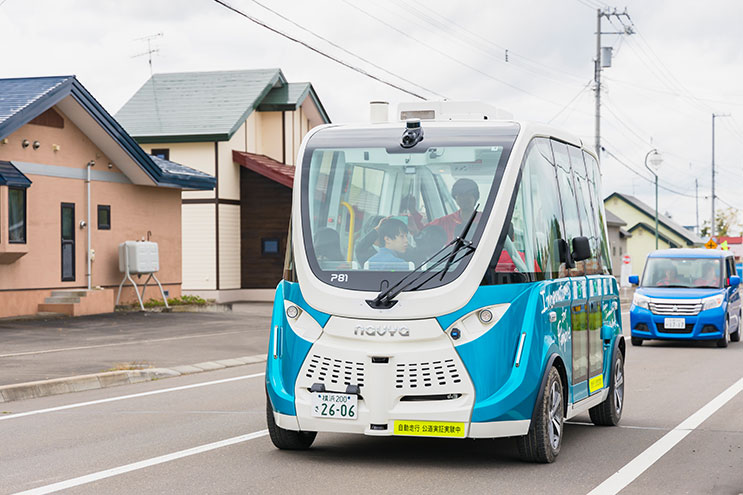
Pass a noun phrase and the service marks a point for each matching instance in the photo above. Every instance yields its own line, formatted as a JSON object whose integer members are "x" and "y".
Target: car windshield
{"x": 371, "y": 209}
{"x": 683, "y": 272}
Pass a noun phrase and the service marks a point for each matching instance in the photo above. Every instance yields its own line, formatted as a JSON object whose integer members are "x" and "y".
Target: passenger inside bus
{"x": 327, "y": 245}
{"x": 394, "y": 234}
{"x": 466, "y": 193}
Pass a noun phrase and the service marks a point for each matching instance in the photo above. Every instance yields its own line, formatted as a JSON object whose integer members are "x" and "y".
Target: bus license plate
{"x": 675, "y": 323}
{"x": 337, "y": 406}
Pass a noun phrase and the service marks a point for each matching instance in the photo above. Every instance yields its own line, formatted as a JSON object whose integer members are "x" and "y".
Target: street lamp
{"x": 655, "y": 159}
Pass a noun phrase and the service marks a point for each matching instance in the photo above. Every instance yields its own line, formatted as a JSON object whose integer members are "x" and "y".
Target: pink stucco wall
{"x": 135, "y": 211}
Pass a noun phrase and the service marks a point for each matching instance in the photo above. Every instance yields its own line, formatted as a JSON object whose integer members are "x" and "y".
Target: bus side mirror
{"x": 564, "y": 252}
{"x": 634, "y": 280}
{"x": 581, "y": 248}
{"x": 734, "y": 281}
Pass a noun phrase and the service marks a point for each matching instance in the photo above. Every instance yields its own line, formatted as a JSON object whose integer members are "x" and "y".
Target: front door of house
{"x": 68, "y": 242}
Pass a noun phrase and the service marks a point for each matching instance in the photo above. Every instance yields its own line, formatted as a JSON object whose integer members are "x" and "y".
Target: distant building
{"x": 640, "y": 221}
{"x": 734, "y": 243}
{"x": 617, "y": 240}
{"x": 51, "y": 130}
{"x": 245, "y": 127}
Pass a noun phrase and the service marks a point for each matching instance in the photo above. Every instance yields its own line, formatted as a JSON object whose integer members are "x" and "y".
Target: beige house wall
{"x": 199, "y": 247}
{"x": 229, "y": 246}
{"x": 199, "y": 156}
{"x": 229, "y": 171}
{"x": 270, "y": 146}
{"x": 135, "y": 211}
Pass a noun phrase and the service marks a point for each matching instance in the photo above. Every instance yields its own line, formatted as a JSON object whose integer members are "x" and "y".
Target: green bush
{"x": 176, "y": 301}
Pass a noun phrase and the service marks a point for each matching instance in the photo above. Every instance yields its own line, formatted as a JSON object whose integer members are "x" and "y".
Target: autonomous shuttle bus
{"x": 448, "y": 278}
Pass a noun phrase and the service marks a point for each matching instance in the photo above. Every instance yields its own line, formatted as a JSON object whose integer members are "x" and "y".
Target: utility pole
{"x": 696, "y": 200}
{"x": 605, "y": 61}
{"x": 712, "y": 222}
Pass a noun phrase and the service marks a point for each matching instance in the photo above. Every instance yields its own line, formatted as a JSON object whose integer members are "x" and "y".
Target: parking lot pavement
{"x": 58, "y": 348}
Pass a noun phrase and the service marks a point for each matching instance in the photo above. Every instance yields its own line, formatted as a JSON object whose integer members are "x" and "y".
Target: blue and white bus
{"x": 450, "y": 279}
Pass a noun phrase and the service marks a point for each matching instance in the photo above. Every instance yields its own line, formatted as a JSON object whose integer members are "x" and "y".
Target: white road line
{"x": 164, "y": 339}
{"x": 108, "y": 473}
{"x": 130, "y": 396}
{"x": 633, "y": 469}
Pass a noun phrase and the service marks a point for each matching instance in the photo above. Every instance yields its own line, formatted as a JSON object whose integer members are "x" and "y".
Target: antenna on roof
{"x": 150, "y": 50}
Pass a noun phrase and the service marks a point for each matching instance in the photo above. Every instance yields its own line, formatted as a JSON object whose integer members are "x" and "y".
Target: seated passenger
{"x": 327, "y": 245}
{"x": 394, "y": 235}
{"x": 670, "y": 277}
{"x": 710, "y": 276}
{"x": 466, "y": 193}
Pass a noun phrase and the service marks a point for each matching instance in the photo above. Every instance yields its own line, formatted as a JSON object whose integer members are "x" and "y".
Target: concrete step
{"x": 69, "y": 293}
{"x": 65, "y": 309}
{"x": 62, "y": 300}
{"x": 49, "y": 314}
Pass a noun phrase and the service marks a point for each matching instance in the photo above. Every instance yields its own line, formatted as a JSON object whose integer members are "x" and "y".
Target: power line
{"x": 574, "y": 98}
{"x": 335, "y": 45}
{"x": 317, "y": 50}
{"x": 441, "y": 52}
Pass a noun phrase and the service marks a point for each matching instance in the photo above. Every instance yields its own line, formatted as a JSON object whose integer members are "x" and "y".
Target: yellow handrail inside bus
{"x": 352, "y": 214}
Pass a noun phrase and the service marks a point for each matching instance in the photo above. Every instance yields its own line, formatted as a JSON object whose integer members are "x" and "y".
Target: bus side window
{"x": 594, "y": 177}
{"x": 586, "y": 209}
{"x": 529, "y": 247}
{"x": 568, "y": 195}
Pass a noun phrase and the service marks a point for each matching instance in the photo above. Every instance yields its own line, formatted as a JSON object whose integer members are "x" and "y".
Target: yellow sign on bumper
{"x": 429, "y": 429}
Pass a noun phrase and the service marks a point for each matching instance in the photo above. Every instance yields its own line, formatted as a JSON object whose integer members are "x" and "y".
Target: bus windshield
{"x": 373, "y": 213}
{"x": 683, "y": 273}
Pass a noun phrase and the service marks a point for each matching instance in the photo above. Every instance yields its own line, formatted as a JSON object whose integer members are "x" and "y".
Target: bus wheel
{"x": 542, "y": 443}
{"x": 723, "y": 342}
{"x": 287, "y": 439}
{"x": 636, "y": 341}
{"x": 609, "y": 412}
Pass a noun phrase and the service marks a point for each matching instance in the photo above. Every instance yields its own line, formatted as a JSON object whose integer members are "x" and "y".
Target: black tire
{"x": 636, "y": 341}
{"x": 609, "y": 412}
{"x": 543, "y": 442}
{"x": 735, "y": 337}
{"x": 723, "y": 341}
{"x": 287, "y": 439}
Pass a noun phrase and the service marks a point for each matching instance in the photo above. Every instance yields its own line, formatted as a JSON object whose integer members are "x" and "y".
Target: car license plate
{"x": 337, "y": 406}
{"x": 675, "y": 323}
{"x": 429, "y": 429}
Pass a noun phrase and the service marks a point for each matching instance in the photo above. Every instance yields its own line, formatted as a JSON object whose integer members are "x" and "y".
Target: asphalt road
{"x": 208, "y": 436}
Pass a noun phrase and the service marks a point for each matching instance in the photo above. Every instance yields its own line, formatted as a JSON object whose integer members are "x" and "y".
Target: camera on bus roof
{"x": 413, "y": 133}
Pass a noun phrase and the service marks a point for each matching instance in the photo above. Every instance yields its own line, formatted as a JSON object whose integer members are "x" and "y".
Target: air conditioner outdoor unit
{"x": 139, "y": 258}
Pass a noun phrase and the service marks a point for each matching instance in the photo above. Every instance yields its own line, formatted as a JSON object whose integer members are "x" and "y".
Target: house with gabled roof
{"x": 640, "y": 223}
{"x": 73, "y": 186}
{"x": 244, "y": 127}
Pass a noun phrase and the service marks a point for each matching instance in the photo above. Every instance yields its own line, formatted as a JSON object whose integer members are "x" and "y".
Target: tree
{"x": 726, "y": 222}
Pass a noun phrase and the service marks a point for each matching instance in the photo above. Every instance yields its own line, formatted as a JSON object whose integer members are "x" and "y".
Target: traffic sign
{"x": 724, "y": 246}
{"x": 711, "y": 244}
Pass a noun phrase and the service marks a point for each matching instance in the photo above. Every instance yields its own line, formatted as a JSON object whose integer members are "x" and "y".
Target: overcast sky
{"x": 684, "y": 63}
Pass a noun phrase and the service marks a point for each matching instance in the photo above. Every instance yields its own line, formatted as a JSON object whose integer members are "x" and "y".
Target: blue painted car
{"x": 687, "y": 294}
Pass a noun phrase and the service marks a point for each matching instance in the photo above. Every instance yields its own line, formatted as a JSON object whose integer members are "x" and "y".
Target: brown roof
{"x": 265, "y": 166}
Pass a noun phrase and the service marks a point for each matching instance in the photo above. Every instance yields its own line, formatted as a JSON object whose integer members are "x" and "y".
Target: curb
{"x": 44, "y": 388}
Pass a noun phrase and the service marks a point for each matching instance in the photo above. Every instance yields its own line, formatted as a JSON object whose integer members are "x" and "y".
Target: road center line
{"x": 108, "y": 473}
{"x": 148, "y": 341}
{"x": 633, "y": 469}
{"x": 130, "y": 396}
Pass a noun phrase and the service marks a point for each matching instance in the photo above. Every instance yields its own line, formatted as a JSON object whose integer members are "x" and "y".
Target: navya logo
{"x": 381, "y": 331}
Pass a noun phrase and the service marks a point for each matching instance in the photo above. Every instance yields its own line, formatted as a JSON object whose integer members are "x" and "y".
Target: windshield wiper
{"x": 385, "y": 299}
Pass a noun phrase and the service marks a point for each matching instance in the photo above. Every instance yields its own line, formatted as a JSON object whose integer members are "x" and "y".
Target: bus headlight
{"x": 641, "y": 301}
{"x": 712, "y": 302}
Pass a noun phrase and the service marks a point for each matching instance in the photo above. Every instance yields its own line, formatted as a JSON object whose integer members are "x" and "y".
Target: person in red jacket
{"x": 466, "y": 193}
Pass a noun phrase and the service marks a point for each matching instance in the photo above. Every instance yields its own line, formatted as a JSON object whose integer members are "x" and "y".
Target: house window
{"x": 613, "y": 250}
{"x": 104, "y": 217}
{"x": 163, "y": 153}
{"x": 17, "y": 215}
{"x": 269, "y": 246}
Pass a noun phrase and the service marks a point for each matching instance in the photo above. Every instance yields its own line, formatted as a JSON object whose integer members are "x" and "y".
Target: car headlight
{"x": 640, "y": 301}
{"x": 712, "y": 302}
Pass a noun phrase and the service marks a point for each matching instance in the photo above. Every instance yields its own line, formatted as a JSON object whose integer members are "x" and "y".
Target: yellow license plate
{"x": 429, "y": 429}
